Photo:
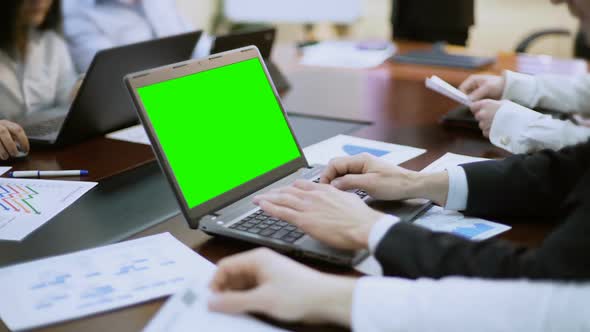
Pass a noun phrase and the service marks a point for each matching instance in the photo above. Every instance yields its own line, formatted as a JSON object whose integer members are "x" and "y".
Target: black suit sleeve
{"x": 533, "y": 185}
{"x": 412, "y": 252}
{"x": 555, "y": 183}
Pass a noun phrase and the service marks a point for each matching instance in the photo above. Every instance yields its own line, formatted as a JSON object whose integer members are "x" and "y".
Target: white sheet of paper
{"x": 435, "y": 83}
{"x": 439, "y": 220}
{"x": 449, "y": 160}
{"x": 135, "y": 134}
{"x": 4, "y": 170}
{"x": 344, "y": 54}
{"x": 343, "y": 145}
{"x": 87, "y": 282}
{"x": 187, "y": 311}
{"x": 26, "y": 204}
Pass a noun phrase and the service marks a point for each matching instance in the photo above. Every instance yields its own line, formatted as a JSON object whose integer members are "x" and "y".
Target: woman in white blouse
{"x": 36, "y": 71}
{"x": 511, "y": 125}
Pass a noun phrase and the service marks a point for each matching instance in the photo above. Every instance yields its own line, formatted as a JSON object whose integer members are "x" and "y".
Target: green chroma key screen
{"x": 219, "y": 128}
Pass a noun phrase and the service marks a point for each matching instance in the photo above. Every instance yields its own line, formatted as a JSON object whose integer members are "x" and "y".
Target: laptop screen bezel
{"x": 154, "y": 76}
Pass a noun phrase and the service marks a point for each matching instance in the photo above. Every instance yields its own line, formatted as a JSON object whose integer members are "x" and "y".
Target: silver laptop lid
{"x": 218, "y": 128}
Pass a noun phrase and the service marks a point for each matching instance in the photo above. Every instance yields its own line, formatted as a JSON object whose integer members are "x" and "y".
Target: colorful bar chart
{"x": 18, "y": 198}
{"x": 27, "y": 204}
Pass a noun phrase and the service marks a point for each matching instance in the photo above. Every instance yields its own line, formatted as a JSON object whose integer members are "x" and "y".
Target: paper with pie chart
{"x": 26, "y": 205}
{"x": 343, "y": 145}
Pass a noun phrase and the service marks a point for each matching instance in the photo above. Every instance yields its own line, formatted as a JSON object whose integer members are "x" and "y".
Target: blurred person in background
{"x": 503, "y": 103}
{"x": 91, "y": 26}
{"x": 36, "y": 71}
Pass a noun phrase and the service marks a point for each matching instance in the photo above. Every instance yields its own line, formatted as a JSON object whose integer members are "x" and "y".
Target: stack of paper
{"x": 187, "y": 311}
{"x": 435, "y": 83}
{"x": 345, "y": 54}
{"x": 92, "y": 281}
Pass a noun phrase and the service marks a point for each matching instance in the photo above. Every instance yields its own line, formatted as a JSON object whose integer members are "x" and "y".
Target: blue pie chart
{"x": 353, "y": 150}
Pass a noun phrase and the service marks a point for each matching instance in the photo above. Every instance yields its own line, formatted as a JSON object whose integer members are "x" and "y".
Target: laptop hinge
{"x": 213, "y": 215}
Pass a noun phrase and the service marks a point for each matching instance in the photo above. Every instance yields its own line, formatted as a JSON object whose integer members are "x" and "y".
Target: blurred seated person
{"x": 433, "y": 20}
{"x": 91, "y": 26}
{"x": 36, "y": 71}
{"x": 502, "y": 106}
{"x": 512, "y": 125}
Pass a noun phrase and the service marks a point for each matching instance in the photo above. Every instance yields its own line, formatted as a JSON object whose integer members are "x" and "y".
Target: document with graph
{"x": 344, "y": 146}
{"x": 71, "y": 286}
{"x": 26, "y": 205}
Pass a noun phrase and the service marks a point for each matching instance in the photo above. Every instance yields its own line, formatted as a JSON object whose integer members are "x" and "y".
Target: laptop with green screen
{"x": 221, "y": 136}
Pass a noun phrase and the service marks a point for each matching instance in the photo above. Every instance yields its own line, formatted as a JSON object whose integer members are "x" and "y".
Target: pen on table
{"x": 47, "y": 174}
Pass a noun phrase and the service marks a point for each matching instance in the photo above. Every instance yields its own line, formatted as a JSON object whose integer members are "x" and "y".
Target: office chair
{"x": 581, "y": 48}
{"x": 527, "y": 42}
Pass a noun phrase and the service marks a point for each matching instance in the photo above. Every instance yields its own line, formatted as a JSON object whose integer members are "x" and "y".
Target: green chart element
{"x": 15, "y": 198}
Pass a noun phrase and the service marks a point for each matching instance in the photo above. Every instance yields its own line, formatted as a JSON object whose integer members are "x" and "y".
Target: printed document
{"x": 71, "y": 286}
{"x": 26, "y": 205}
{"x": 343, "y": 145}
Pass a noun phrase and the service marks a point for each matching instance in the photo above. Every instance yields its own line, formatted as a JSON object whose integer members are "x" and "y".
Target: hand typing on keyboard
{"x": 383, "y": 180}
{"x": 337, "y": 218}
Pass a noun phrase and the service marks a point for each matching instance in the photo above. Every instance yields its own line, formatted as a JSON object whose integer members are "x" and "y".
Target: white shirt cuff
{"x": 379, "y": 230}
{"x": 374, "y": 301}
{"x": 458, "y": 189}
{"x": 510, "y": 121}
{"x": 520, "y": 88}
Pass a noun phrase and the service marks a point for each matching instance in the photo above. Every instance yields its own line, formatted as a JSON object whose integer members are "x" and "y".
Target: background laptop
{"x": 263, "y": 39}
{"x": 103, "y": 104}
{"x": 221, "y": 135}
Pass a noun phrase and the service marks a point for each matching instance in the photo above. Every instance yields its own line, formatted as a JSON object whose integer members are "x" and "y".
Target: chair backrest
{"x": 526, "y": 43}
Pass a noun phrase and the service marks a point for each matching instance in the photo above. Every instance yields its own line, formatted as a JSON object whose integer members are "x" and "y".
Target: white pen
{"x": 47, "y": 174}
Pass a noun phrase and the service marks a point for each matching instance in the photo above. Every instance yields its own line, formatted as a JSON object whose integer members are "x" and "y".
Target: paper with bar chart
{"x": 439, "y": 220}
{"x": 343, "y": 146}
{"x": 26, "y": 205}
{"x": 66, "y": 287}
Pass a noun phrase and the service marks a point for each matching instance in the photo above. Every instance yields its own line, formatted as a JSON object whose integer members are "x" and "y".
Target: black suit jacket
{"x": 544, "y": 186}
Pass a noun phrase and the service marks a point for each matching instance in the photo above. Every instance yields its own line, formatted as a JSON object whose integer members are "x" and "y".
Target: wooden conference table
{"x": 392, "y": 97}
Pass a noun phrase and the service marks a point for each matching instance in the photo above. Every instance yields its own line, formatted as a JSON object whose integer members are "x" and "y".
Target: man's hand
{"x": 337, "y": 218}
{"x": 479, "y": 87}
{"x": 485, "y": 112}
{"x": 264, "y": 282}
{"x": 383, "y": 180}
{"x": 12, "y": 134}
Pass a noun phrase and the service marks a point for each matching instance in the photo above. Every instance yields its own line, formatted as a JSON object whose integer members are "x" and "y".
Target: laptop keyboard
{"x": 265, "y": 225}
{"x": 44, "y": 128}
